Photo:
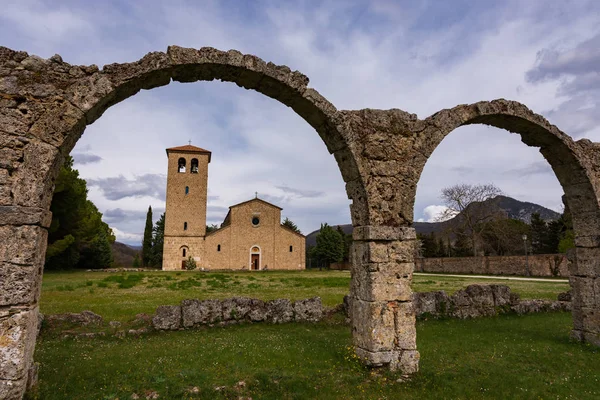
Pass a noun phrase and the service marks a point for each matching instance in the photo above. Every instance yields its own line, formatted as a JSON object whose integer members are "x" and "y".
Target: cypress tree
{"x": 147, "y": 242}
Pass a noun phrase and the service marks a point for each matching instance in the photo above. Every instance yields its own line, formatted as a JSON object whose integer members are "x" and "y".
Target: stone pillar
{"x": 585, "y": 285}
{"x": 381, "y": 308}
{"x": 23, "y": 237}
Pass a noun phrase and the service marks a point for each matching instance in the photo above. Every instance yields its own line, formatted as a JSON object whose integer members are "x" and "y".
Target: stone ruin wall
{"x": 45, "y": 106}
{"x": 546, "y": 265}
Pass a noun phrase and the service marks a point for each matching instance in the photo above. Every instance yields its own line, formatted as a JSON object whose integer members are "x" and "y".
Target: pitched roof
{"x": 256, "y": 199}
{"x": 188, "y": 148}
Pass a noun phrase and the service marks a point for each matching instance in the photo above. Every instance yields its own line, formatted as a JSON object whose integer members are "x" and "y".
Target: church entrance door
{"x": 255, "y": 261}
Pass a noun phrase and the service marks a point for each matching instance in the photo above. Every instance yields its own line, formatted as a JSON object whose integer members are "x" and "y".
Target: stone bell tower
{"x": 185, "y": 213}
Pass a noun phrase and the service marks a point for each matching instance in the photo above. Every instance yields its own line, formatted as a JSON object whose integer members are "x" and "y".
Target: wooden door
{"x": 255, "y": 261}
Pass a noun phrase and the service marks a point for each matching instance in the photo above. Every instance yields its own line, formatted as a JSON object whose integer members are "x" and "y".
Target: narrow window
{"x": 194, "y": 168}
{"x": 218, "y": 247}
{"x": 184, "y": 252}
{"x": 185, "y": 226}
{"x": 181, "y": 165}
{"x": 187, "y": 189}
{"x": 291, "y": 249}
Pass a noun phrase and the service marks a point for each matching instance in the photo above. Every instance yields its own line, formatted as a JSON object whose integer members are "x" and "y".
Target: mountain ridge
{"x": 508, "y": 206}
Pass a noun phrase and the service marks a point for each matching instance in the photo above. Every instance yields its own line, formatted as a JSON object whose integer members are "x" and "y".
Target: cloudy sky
{"x": 417, "y": 56}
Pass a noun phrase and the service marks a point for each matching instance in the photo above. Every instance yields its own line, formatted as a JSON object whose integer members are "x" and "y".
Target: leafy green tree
{"x": 347, "y": 240}
{"x": 158, "y": 240}
{"x": 504, "y": 237}
{"x": 290, "y": 225}
{"x": 211, "y": 228}
{"x": 77, "y": 237}
{"x": 136, "y": 260}
{"x": 330, "y": 245}
{"x": 147, "y": 240}
{"x": 539, "y": 234}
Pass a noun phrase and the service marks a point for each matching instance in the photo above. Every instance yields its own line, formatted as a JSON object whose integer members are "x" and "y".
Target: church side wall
{"x": 215, "y": 259}
{"x": 286, "y": 259}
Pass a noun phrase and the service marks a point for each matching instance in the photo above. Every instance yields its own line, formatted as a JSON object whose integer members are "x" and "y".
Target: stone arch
{"x": 574, "y": 163}
{"x": 45, "y": 106}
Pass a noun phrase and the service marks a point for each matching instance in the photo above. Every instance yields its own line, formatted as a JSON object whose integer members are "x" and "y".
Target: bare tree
{"x": 467, "y": 203}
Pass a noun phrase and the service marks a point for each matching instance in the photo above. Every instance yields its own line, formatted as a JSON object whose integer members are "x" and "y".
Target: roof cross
{"x": 256, "y": 195}
{"x": 190, "y": 142}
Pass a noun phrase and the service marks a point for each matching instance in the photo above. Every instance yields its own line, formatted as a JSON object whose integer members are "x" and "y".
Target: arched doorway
{"x": 255, "y": 261}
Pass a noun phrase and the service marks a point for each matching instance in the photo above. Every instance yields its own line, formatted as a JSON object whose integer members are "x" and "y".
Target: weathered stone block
{"x": 390, "y": 281}
{"x": 585, "y": 262}
{"x": 373, "y": 325}
{"x": 406, "y": 332}
{"x": 167, "y": 318}
{"x": 258, "y": 311}
{"x": 387, "y": 233}
{"x": 19, "y": 284}
{"x": 377, "y": 359}
{"x": 14, "y": 215}
{"x": 17, "y": 341}
{"x": 402, "y": 251}
{"x": 481, "y": 295}
{"x": 33, "y": 181}
{"x": 13, "y": 389}
{"x": 501, "y": 294}
{"x": 409, "y": 362}
{"x": 196, "y": 312}
{"x": 236, "y": 308}
{"x": 310, "y": 310}
{"x": 583, "y": 293}
{"x": 23, "y": 245}
{"x": 84, "y": 318}
{"x": 280, "y": 311}
{"x": 433, "y": 303}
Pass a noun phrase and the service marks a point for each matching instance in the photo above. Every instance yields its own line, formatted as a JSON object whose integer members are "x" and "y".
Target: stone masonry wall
{"x": 539, "y": 265}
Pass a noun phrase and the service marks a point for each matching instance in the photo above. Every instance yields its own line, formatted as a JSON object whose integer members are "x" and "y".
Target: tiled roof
{"x": 188, "y": 148}
{"x": 256, "y": 199}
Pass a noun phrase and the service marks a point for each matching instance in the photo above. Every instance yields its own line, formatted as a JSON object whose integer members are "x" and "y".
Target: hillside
{"x": 504, "y": 206}
{"x": 123, "y": 255}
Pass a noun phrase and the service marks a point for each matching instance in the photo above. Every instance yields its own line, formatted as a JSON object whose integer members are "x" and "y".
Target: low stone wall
{"x": 194, "y": 312}
{"x": 539, "y": 265}
{"x": 481, "y": 301}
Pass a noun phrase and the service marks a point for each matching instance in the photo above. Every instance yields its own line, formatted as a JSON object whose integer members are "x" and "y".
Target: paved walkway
{"x": 506, "y": 278}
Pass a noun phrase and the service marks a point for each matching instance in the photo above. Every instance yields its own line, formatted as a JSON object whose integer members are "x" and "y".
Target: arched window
{"x": 184, "y": 252}
{"x": 181, "y": 165}
{"x": 291, "y": 249}
{"x": 194, "y": 168}
{"x": 185, "y": 226}
{"x": 187, "y": 189}
{"x": 218, "y": 247}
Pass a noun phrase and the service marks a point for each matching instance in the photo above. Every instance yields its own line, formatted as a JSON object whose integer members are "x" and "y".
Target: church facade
{"x": 251, "y": 236}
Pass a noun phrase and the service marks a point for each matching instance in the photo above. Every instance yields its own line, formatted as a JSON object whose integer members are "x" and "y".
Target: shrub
{"x": 190, "y": 264}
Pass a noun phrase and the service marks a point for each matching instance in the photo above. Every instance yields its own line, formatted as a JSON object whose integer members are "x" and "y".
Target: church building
{"x": 251, "y": 236}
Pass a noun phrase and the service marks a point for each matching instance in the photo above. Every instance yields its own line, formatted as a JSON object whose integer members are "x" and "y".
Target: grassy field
{"x": 507, "y": 357}
{"x": 119, "y": 296}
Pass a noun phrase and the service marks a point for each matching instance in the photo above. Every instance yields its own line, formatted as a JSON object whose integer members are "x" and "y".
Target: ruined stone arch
{"x": 573, "y": 163}
{"x": 45, "y": 106}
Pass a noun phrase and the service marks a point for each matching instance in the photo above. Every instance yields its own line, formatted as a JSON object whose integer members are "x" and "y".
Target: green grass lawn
{"x": 506, "y": 357}
{"x": 119, "y": 296}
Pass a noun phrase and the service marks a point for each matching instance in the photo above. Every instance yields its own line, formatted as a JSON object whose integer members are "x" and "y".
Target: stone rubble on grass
{"x": 194, "y": 312}
{"x": 84, "y": 318}
{"x": 481, "y": 300}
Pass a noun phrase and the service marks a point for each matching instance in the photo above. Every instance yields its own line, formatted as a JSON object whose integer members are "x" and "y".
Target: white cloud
{"x": 127, "y": 237}
{"x": 433, "y": 213}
